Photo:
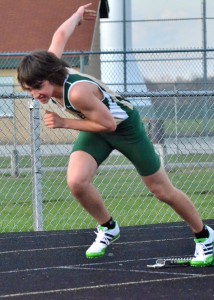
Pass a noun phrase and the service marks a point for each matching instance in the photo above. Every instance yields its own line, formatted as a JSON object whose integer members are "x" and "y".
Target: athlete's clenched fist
{"x": 52, "y": 120}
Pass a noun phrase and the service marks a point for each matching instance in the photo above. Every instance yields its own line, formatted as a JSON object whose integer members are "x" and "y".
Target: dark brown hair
{"x": 39, "y": 66}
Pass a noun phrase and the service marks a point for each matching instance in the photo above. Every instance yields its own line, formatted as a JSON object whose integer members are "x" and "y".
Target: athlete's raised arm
{"x": 65, "y": 30}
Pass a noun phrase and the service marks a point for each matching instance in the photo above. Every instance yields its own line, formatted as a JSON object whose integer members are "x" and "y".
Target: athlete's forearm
{"x": 83, "y": 125}
{"x": 63, "y": 33}
{"x": 65, "y": 30}
{"x": 88, "y": 125}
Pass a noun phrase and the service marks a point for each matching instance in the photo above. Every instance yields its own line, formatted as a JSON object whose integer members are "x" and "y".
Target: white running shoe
{"x": 204, "y": 251}
{"x": 104, "y": 237}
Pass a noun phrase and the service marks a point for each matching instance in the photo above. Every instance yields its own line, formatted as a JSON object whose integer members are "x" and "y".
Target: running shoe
{"x": 204, "y": 251}
{"x": 104, "y": 237}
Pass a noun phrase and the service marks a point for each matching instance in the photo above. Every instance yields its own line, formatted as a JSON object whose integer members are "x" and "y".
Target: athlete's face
{"x": 43, "y": 93}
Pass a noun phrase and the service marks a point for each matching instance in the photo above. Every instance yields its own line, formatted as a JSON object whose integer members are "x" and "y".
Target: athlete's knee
{"x": 77, "y": 185}
{"x": 158, "y": 192}
{"x": 162, "y": 193}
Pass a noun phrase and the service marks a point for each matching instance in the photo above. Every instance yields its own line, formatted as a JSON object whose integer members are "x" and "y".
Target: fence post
{"x": 156, "y": 133}
{"x": 82, "y": 64}
{"x": 15, "y": 163}
{"x": 36, "y": 165}
{"x": 15, "y": 153}
{"x": 176, "y": 121}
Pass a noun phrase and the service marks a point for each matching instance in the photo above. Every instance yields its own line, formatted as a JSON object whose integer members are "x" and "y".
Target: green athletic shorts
{"x": 129, "y": 138}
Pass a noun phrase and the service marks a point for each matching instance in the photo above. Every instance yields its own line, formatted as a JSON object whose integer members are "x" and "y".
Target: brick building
{"x": 27, "y": 25}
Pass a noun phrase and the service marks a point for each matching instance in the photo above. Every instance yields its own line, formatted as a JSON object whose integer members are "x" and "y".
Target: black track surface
{"x": 52, "y": 265}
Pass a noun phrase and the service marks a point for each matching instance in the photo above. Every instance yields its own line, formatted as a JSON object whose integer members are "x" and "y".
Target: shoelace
{"x": 101, "y": 237}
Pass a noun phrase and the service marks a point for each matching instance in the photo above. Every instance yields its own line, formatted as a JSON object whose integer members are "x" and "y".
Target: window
{"x": 6, "y": 104}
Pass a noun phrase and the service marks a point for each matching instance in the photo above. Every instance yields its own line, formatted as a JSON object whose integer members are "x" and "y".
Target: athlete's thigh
{"x": 94, "y": 144}
{"x": 81, "y": 168}
{"x": 137, "y": 147}
{"x": 160, "y": 178}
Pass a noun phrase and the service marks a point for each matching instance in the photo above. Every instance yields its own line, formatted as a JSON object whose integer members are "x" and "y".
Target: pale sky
{"x": 157, "y": 35}
{"x": 168, "y": 34}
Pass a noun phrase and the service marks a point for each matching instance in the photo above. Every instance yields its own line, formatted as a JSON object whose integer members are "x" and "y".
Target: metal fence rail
{"x": 173, "y": 91}
{"x": 33, "y": 161}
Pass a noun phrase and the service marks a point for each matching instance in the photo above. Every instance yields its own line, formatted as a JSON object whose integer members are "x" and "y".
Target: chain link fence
{"x": 173, "y": 91}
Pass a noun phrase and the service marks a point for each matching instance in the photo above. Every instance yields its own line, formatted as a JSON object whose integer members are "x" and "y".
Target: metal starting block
{"x": 166, "y": 262}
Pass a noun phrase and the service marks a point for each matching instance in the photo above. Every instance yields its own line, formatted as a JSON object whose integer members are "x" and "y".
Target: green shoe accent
{"x": 200, "y": 240}
{"x": 104, "y": 238}
{"x": 204, "y": 252}
{"x": 102, "y": 253}
{"x": 208, "y": 262}
{"x": 95, "y": 255}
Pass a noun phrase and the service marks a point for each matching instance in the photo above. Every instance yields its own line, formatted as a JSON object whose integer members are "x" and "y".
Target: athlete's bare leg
{"x": 161, "y": 187}
{"x": 81, "y": 170}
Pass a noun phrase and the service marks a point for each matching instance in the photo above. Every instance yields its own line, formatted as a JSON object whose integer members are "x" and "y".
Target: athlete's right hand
{"x": 86, "y": 14}
{"x": 52, "y": 120}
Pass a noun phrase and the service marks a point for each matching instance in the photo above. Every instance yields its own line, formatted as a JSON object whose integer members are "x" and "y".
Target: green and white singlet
{"x": 129, "y": 138}
{"x": 119, "y": 108}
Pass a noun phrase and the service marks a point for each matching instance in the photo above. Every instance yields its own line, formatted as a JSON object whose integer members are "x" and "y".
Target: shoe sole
{"x": 101, "y": 254}
{"x": 201, "y": 264}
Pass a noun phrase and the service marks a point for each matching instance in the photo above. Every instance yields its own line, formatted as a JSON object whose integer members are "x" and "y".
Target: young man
{"x": 106, "y": 122}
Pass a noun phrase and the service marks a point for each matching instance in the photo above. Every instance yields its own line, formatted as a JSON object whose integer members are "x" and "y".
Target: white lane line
{"x": 76, "y": 231}
{"x": 82, "y": 246}
{"x": 96, "y": 266}
{"x": 132, "y": 271}
{"x": 119, "y": 284}
{"x": 20, "y": 235}
{"x": 41, "y": 249}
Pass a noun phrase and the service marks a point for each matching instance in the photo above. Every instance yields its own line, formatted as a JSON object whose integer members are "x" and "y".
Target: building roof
{"x": 27, "y": 25}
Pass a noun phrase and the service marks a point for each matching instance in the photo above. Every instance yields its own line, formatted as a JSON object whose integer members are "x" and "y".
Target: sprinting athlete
{"x": 106, "y": 122}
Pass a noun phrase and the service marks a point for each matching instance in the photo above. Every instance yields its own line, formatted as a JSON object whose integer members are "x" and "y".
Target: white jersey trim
{"x": 116, "y": 111}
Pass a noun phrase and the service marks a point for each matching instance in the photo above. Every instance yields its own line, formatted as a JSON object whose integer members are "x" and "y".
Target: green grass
{"x": 123, "y": 194}
{"x": 25, "y": 162}
{"x": 188, "y": 127}
{"x": 182, "y": 158}
{"x": 62, "y": 161}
